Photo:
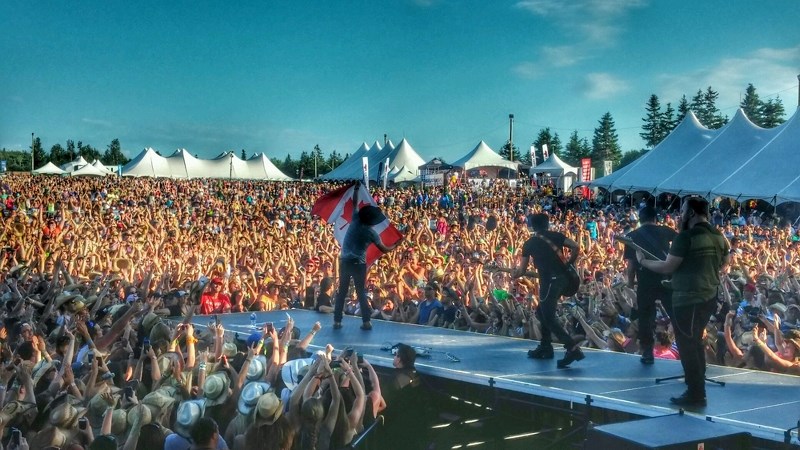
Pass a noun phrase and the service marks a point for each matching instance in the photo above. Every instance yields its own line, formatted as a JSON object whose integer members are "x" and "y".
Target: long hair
{"x": 311, "y": 414}
{"x": 278, "y": 436}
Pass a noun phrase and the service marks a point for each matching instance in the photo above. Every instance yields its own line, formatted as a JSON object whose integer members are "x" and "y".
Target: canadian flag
{"x": 336, "y": 208}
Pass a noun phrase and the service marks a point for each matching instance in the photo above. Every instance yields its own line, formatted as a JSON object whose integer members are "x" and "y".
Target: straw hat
{"x": 14, "y": 409}
{"x": 40, "y": 370}
{"x": 188, "y": 414}
{"x": 216, "y": 388}
{"x": 122, "y": 264}
{"x": 49, "y": 437}
{"x": 119, "y": 422}
{"x": 229, "y": 349}
{"x": 161, "y": 399}
{"x": 268, "y": 409}
{"x": 141, "y": 413}
{"x": 293, "y": 371}
{"x": 250, "y": 395}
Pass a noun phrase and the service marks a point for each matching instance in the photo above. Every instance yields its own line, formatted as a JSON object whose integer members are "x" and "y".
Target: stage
{"x": 761, "y": 403}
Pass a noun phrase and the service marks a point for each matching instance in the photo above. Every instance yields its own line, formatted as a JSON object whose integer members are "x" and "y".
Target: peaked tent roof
{"x": 101, "y": 166}
{"x": 148, "y": 163}
{"x": 401, "y": 156}
{"x": 261, "y": 168}
{"x": 403, "y": 174}
{"x": 49, "y": 169}
{"x": 90, "y": 171}
{"x": 75, "y": 164}
{"x": 664, "y": 159}
{"x": 483, "y": 156}
{"x": 555, "y": 166}
{"x": 343, "y": 169}
{"x": 771, "y": 173}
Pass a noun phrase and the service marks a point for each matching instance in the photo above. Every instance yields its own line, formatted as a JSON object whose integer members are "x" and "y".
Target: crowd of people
{"x": 91, "y": 267}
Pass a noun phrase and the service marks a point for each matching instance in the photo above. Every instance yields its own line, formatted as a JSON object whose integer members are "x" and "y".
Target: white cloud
{"x": 587, "y": 26}
{"x": 100, "y": 123}
{"x": 599, "y": 86}
{"x": 773, "y": 71}
{"x": 527, "y": 70}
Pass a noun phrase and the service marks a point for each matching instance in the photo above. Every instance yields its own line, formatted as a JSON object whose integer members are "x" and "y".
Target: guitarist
{"x": 656, "y": 239}
{"x": 545, "y": 247}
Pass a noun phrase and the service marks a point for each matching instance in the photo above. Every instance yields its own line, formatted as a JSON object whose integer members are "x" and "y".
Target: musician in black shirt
{"x": 656, "y": 239}
{"x": 545, "y": 247}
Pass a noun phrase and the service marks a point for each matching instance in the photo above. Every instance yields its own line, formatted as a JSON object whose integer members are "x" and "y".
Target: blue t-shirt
{"x": 425, "y": 310}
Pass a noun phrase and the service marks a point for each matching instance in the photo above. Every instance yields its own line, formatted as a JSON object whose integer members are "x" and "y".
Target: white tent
{"x": 183, "y": 165}
{"x": 655, "y": 166}
{"x": 739, "y": 160}
{"x": 482, "y": 156}
{"x": 49, "y": 169}
{"x": 102, "y": 166}
{"x": 401, "y": 157}
{"x": 75, "y": 164}
{"x": 351, "y": 169}
{"x": 89, "y": 171}
{"x": 261, "y": 168}
{"x": 148, "y": 163}
{"x": 565, "y": 174}
{"x": 772, "y": 172}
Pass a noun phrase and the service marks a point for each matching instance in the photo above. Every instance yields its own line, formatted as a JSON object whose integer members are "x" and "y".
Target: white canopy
{"x": 739, "y": 160}
{"x": 402, "y": 156}
{"x": 350, "y": 169}
{"x": 483, "y": 156}
{"x": 102, "y": 166}
{"x": 49, "y": 169}
{"x": 89, "y": 171}
{"x": 75, "y": 164}
{"x": 555, "y": 166}
{"x": 182, "y": 164}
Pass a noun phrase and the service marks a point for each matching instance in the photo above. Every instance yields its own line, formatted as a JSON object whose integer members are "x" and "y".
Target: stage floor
{"x": 761, "y": 403}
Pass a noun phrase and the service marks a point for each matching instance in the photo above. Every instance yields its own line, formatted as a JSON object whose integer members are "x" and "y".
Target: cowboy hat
{"x": 189, "y": 412}
{"x": 139, "y": 413}
{"x": 19, "y": 228}
{"x": 250, "y": 395}
{"x": 66, "y": 415}
{"x": 268, "y": 409}
{"x": 292, "y": 372}
{"x": 122, "y": 264}
{"x": 216, "y": 388}
{"x": 229, "y": 349}
{"x": 13, "y": 409}
{"x": 257, "y": 368}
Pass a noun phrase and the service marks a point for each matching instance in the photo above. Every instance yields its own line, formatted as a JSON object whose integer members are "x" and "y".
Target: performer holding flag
{"x": 357, "y": 240}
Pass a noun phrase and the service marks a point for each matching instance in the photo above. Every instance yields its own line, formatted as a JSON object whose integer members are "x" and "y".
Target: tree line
{"x": 658, "y": 123}
{"x": 18, "y": 160}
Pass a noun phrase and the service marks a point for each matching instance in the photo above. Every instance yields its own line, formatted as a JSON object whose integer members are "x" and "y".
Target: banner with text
{"x": 533, "y": 156}
{"x": 365, "y": 167}
{"x": 606, "y": 168}
{"x": 586, "y": 169}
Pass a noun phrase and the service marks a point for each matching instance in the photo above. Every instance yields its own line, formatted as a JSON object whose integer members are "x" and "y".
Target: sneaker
{"x": 687, "y": 400}
{"x": 367, "y": 326}
{"x": 337, "y": 325}
{"x": 541, "y": 352}
{"x": 569, "y": 357}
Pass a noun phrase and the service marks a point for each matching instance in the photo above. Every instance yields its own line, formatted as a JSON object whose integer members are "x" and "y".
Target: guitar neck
{"x": 510, "y": 270}
{"x": 628, "y": 241}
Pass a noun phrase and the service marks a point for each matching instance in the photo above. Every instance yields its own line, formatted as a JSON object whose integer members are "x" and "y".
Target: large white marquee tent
{"x": 740, "y": 161}
{"x": 182, "y": 164}
{"x": 482, "y": 156}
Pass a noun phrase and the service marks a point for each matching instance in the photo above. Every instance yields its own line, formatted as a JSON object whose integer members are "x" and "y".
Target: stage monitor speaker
{"x": 672, "y": 432}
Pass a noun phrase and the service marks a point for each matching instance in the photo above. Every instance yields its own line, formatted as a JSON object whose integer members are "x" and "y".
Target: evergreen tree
{"x": 772, "y": 113}
{"x": 704, "y": 105}
{"x": 668, "y": 120}
{"x": 319, "y": 160}
{"x": 70, "y": 149}
{"x": 39, "y": 156}
{"x": 244, "y": 155}
{"x": 683, "y": 109}
{"x": 88, "y": 152}
{"x": 333, "y": 160}
{"x": 653, "y": 128}
{"x": 113, "y": 155}
{"x": 58, "y": 155}
{"x": 752, "y": 105}
{"x": 553, "y": 144}
{"x": 605, "y": 143}
{"x": 509, "y": 151}
{"x": 576, "y": 149}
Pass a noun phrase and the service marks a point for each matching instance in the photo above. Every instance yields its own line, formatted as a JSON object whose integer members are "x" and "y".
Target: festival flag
{"x": 545, "y": 153}
{"x": 336, "y": 208}
{"x": 533, "y": 156}
{"x": 385, "y": 173}
{"x": 365, "y": 168}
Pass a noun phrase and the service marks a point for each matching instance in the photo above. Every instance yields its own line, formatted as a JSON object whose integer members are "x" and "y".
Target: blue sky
{"x": 280, "y": 77}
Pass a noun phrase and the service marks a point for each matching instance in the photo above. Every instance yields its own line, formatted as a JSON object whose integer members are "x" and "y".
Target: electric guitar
{"x": 573, "y": 279}
{"x": 628, "y": 241}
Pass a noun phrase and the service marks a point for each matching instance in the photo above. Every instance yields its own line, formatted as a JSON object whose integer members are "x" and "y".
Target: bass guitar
{"x": 573, "y": 279}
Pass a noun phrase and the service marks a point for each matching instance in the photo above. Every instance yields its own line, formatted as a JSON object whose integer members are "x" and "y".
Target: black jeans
{"x": 689, "y": 323}
{"x": 358, "y": 272}
{"x": 646, "y": 305}
{"x": 549, "y": 294}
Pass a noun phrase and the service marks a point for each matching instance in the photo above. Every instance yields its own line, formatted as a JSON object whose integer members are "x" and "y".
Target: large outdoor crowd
{"x": 92, "y": 267}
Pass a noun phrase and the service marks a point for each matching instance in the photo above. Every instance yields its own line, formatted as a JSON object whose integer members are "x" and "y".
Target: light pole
{"x": 32, "y": 141}
{"x": 230, "y": 175}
